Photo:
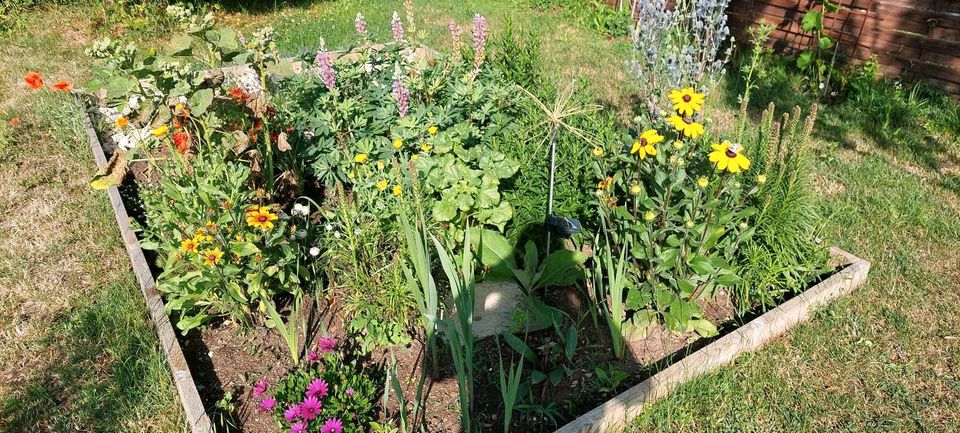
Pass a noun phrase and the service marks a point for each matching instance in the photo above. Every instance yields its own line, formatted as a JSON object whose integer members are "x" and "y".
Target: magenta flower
{"x": 350, "y": 392}
{"x": 332, "y": 425}
{"x": 402, "y": 95}
{"x": 479, "y": 39}
{"x": 327, "y": 74}
{"x": 326, "y": 344}
{"x": 313, "y": 356}
{"x": 361, "y": 25}
{"x": 267, "y": 404}
{"x": 260, "y": 387}
{"x": 310, "y": 408}
{"x": 299, "y": 427}
{"x": 397, "y": 26}
{"x": 292, "y": 413}
{"x": 318, "y": 388}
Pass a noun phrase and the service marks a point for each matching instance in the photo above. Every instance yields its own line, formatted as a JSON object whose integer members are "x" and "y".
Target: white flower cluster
{"x": 301, "y": 210}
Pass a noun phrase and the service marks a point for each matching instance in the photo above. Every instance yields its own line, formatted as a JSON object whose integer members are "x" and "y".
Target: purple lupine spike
{"x": 361, "y": 25}
{"x": 455, "y": 35}
{"x": 402, "y": 95}
{"x": 479, "y": 39}
{"x": 327, "y": 74}
{"x": 397, "y": 26}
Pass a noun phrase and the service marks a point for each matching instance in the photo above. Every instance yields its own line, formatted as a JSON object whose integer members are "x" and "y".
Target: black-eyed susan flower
{"x": 360, "y": 158}
{"x": 728, "y": 156}
{"x": 261, "y": 218}
{"x": 382, "y": 185}
{"x": 212, "y": 256}
{"x": 397, "y": 143}
{"x": 686, "y": 101}
{"x": 644, "y": 145}
{"x": 189, "y": 245}
{"x": 686, "y": 126}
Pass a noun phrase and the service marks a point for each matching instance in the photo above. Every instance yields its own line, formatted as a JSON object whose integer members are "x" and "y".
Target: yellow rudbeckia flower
{"x": 360, "y": 158}
{"x": 686, "y": 101}
{"x": 686, "y": 126}
{"x": 189, "y": 245}
{"x": 212, "y": 256}
{"x": 644, "y": 145}
{"x": 729, "y": 156}
{"x": 261, "y": 218}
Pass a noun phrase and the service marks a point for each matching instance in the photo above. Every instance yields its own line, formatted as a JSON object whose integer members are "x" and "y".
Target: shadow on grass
{"x": 105, "y": 371}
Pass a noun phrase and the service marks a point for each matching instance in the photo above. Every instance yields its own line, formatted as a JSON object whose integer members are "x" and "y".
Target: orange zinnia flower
{"x": 63, "y": 85}
{"x": 34, "y": 80}
{"x": 15, "y": 121}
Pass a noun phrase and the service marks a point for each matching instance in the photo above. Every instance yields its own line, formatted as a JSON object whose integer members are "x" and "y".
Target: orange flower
{"x": 34, "y": 80}
{"x": 63, "y": 85}
{"x": 15, "y": 121}
{"x": 182, "y": 142}
{"x": 122, "y": 122}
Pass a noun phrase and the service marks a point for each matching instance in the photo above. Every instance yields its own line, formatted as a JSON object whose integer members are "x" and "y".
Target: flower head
{"x": 292, "y": 413}
{"x": 181, "y": 140}
{"x": 302, "y": 210}
{"x": 122, "y": 122}
{"x": 761, "y": 179}
{"x": 729, "y": 156}
{"x": 360, "y": 158}
{"x": 15, "y": 121}
{"x": 686, "y": 101}
{"x": 397, "y": 143}
{"x": 260, "y": 387}
{"x": 327, "y": 74}
{"x": 212, "y": 256}
{"x": 455, "y": 36}
{"x": 332, "y": 425}
{"x": 33, "y": 80}
{"x": 310, "y": 408}
{"x": 299, "y": 427}
{"x": 644, "y": 145}
{"x": 677, "y": 144}
{"x": 703, "y": 182}
{"x": 160, "y": 131}
{"x": 327, "y": 344}
{"x": 62, "y": 85}
{"x": 402, "y": 96}
{"x": 360, "y": 25}
{"x": 349, "y": 392}
{"x": 239, "y": 95}
{"x": 189, "y": 245}
{"x": 686, "y": 126}
{"x": 432, "y": 130}
{"x": 425, "y": 147}
{"x": 318, "y": 388}
{"x": 649, "y": 216}
{"x": 635, "y": 189}
{"x": 597, "y": 151}
{"x": 397, "y": 26}
{"x": 261, "y": 218}
{"x": 479, "y": 39}
{"x": 397, "y": 189}
{"x": 267, "y": 404}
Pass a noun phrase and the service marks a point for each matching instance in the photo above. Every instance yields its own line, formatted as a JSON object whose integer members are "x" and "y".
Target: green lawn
{"x": 83, "y": 355}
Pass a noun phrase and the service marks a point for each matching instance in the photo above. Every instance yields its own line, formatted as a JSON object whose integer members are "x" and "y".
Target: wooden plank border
{"x": 616, "y": 413}
{"x": 196, "y": 415}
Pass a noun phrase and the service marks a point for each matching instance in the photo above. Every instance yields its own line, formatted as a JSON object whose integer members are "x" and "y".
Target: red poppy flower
{"x": 181, "y": 140}
{"x": 34, "y": 80}
{"x": 15, "y": 121}
{"x": 239, "y": 95}
{"x": 62, "y": 85}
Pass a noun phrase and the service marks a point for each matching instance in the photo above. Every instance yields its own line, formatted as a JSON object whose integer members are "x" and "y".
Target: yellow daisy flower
{"x": 160, "y": 131}
{"x": 433, "y": 130}
{"x": 382, "y": 185}
{"x": 426, "y": 148}
{"x": 703, "y": 182}
{"x": 379, "y": 165}
{"x": 644, "y": 145}
{"x": 598, "y": 151}
{"x": 686, "y": 126}
{"x": 360, "y": 158}
{"x": 686, "y": 101}
{"x": 212, "y": 256}
{"x": 415, "y": 157}
{"x": 397, "y": 190}
{"x": 649, "y": 216}
{"x": 728, "y": 156}
{"x": 261, "y": 218}
{"x": 397, "y": 143}
{"x": 189, "y": 245}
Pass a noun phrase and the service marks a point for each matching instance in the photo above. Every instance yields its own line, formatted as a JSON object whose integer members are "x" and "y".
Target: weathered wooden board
{"x": 619, "y": 411}
{"x": 196, "y": 415}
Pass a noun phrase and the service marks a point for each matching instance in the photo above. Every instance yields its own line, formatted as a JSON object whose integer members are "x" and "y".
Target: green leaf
{"x": 571, "y": 342}
{"x": 445, "y": 209}
{"x": 703, "y": 327}
{"x": 243, "y": 249}
{"x": 496, "y": 252}
{"x": 701, "y": 265}
{"x": 812, "y": 20}
{"x": 561, "y": 268}
{"x": 200, "y": 101}
{"x": 521, "y": 348}
{"x": 180, "y": 45}
{"x": 825, "y": 42}
{"x": 804, "y": 60}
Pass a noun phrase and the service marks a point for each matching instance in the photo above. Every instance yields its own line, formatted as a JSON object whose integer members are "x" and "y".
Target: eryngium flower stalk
{"x": 397, "y": 26}
{"x": 479, "y": 41}
{"x": 327, "y": 75}
{"x": 402, "y": 96}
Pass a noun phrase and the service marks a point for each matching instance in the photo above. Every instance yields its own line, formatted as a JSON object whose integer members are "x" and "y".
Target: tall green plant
{"x": 610, "y": 283}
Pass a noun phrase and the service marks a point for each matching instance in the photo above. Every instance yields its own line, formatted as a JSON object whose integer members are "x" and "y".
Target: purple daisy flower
{"x": 299, "y": 427}
{"x": 332, "y": 425}
{"x": 310, "y": 408}
{"x": 267, "y": 404}
{"x": 318, "y": 388}
{"x": 313, "y": 356}
{"x": 260, "y": 387}
{"x": 326, "y": 344}
{"x": 292, "y": 413}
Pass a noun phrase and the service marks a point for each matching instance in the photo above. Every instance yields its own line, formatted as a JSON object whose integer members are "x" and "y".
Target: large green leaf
{"x": 200, "y": 101}
{"x": 496, "y": 253}
{"x": 812, "y": 20}
{"x": 561, "y": 268}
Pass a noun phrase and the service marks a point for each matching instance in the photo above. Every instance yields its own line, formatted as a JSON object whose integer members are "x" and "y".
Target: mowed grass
{"x": 882, "y": 359}
{"x": 79, "y": 352}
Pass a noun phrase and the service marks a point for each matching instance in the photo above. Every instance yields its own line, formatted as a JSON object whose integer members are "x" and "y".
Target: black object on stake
{"x": 561, "y": 226}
